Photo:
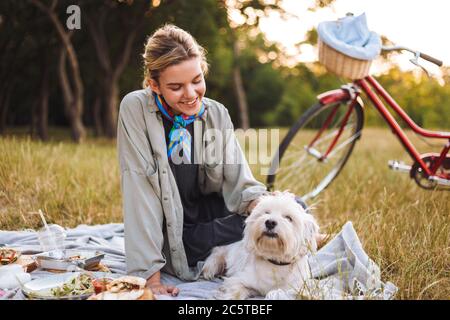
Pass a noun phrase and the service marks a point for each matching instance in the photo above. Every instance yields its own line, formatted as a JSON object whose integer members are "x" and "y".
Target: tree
{"x": 251, "y": 11}
{"x": 39, "y": 117}
{"x": 8, "y": 49}
{"x": 71, "y": 84}
{"x": 130, "y": 17}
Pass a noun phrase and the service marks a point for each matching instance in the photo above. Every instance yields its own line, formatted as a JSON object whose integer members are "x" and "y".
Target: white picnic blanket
{"x": 341, "y": 269}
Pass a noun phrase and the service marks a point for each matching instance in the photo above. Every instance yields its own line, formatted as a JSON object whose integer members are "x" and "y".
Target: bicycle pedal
{"x": 399, "y": 166}
{"x": 440, "y": 181}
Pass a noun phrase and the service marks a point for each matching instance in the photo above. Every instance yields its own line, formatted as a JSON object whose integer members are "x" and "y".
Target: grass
{"x": 403, "y": 228}
{"x": 73, "y": 184}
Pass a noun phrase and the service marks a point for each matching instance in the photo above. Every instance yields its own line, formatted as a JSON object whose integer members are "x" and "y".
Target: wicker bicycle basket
{"x": 341, "y": 64}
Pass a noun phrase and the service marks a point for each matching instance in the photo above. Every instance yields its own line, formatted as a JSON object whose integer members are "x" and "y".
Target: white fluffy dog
{"x": 273, "y": 253}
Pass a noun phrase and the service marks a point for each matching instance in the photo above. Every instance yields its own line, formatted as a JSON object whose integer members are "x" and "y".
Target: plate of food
{"x": 70, "y": 259}
{"x": 123, "y": 288}
{"x": 64, "y": 286}
{"x": 8, "y": 255}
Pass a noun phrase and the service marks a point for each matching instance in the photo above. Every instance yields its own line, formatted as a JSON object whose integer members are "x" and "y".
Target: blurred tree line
{"x": 53, "y": 76}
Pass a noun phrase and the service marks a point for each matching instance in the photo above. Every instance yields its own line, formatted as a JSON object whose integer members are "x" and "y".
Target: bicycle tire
{"x": 357, "y": 118}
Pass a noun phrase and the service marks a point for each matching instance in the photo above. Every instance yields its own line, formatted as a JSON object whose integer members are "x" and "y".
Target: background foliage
{"x": 275, "y": 93}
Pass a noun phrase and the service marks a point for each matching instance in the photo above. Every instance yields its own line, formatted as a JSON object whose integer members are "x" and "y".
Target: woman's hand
{"x": 252, "y": 206}
{"x": 154, "y": 283}
{"x": 159, "y": 288}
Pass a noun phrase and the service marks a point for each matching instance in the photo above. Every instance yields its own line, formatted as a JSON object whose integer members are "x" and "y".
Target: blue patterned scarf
{"x": 178, "y": 135}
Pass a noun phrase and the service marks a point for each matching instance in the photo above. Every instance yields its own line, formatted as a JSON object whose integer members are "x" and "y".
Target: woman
{"x": 181, "y": 196}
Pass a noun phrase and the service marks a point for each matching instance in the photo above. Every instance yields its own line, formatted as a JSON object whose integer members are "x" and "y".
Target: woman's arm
{"x": 143, "y": 216}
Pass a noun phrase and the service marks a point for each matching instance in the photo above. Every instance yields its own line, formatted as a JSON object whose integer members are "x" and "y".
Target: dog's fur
{"x": 278, "y": 229}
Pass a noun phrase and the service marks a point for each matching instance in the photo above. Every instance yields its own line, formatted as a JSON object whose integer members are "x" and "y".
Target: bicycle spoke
{"x": 288, "y": 169}
{"x": 292, "y": 154}
{"x": 343, "y": 144}
{"x": 330, "y": 136}
{"x": 296, "y": 164}
{"x": 291, "y": 166}
{"x": 300, "y": 178}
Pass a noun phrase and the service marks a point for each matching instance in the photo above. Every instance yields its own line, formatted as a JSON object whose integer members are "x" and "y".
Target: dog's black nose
{"x": 270, "y": 224}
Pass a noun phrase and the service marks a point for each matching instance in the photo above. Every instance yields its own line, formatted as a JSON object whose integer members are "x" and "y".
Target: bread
{"x": 135, "y": 282}
{"x": 125, "y": 288}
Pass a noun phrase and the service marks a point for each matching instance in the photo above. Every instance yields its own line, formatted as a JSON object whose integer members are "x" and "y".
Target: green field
{"x": 405, "y": 229}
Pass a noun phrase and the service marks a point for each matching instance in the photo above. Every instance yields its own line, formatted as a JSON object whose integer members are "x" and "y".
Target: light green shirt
{"x": 153, "y": 213}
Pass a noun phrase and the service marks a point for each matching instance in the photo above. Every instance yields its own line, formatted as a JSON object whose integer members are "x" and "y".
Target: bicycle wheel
{"x": 304, "y": 163}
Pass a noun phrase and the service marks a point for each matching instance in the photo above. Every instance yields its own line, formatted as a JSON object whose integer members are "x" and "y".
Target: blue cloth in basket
{"x": 351, "y": 36}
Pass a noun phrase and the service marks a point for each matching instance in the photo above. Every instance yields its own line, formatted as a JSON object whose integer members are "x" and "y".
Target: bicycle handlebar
{"x": 420, "y": 54}
{"x": 431, "y": 59}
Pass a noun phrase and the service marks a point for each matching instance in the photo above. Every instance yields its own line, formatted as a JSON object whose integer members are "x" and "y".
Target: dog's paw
{"x": 230, "y": 294}
{"x": 208, "y": 271}
{"x": 233, "y": 289}
{"x": 212, "y": 268}
{"x": 214, "y": 264}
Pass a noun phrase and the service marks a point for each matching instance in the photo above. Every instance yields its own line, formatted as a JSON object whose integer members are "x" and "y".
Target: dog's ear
{"x": 310, "y": 231}
{"x": 247, "y": 241}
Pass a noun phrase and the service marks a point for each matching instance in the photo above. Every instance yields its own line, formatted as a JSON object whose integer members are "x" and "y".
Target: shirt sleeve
{"x": 143, "y": 215}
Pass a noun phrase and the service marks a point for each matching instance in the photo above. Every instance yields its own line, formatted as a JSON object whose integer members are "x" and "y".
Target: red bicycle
{"x": 319, "y": 144}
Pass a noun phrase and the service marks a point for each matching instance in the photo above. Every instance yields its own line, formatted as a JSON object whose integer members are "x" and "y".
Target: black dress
{"x": 207, "y": 221}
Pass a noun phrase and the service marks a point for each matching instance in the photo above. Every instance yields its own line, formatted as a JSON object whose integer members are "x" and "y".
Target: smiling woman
{"x": 182, "y": 92}
{"x": 177, "y": 207}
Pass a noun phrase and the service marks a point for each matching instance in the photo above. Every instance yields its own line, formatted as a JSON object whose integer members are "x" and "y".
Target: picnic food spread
{"x": 67, "y": 276}
{"x": 68, "y": 285}
{"x": 77, "y": 286}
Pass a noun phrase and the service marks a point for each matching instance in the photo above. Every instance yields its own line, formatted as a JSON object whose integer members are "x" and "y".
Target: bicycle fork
{"x": 316, "y": 153}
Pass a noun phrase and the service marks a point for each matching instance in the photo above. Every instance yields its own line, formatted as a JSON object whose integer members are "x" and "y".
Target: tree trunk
{"x": 8, "y": 63}
{"x": 3, "y": 114}
{"x": 239, "y": 90}
{"x": 73, "y": 98}
{"x": 42, "y": 112}
{"x": 73, "y": 105}
{"x": 96, "y": 109}
{"x": 33, "y": 121}
{"x": 111, "y": 105}
{"x": 78, "y": 131}
{"x": 4, "y": 106}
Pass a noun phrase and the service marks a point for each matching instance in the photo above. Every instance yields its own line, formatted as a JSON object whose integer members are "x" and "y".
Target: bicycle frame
{"x": 351, "y": 93}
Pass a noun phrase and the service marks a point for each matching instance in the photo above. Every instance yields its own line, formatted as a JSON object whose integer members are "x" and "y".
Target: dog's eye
{"x": 267, "y": 212}
{"x": 288, "y": 218}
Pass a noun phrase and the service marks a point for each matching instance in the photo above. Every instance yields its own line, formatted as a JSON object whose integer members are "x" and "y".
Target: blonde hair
{"x": 168, "y": 46}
